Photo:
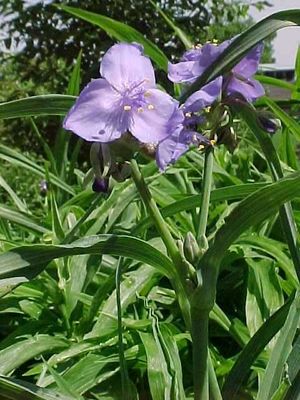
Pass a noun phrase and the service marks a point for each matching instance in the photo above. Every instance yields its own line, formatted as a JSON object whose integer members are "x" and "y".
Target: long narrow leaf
{"x": 120, "y": 31}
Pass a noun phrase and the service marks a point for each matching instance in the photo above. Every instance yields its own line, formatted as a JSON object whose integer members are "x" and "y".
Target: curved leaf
{"x": 49, "y": 104}
{"x": 28, "y": 261}
{"x": 16, "y": 389}
{"x": 120, "y": 31}
{"x": 255, "y": 208}
{"x": 251, "y": 351}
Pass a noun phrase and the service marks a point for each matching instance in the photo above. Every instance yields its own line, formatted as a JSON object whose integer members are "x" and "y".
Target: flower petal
{"x": 249, "y": 64}
{"x": 194, "y": 62}
{"x": 250, "y": 88}
{"x": 205, "y": 96}
{"x": 170, "y": 149}
{"x": 152, "y": 122}
{"x": 125, "y": 64}
{"x": 97, "y": 115}
{"x": 185, "y": 71}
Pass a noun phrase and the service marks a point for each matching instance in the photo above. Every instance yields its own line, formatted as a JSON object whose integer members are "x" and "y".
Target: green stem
{"x": 123, "y": 367}
{"x": 178, "y": 281}
{"x": 200, "y": 353}
{"x": 155, "y": 214}
{"x": 206, "y": 189}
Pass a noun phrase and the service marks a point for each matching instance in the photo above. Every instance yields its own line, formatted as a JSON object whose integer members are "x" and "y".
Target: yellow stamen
{"x": 127, "y": 108}
{"x": 201, "y": 147}
{"x": 150, "y": 107}
{"x": 207, "y": 109}
{"x": 213, "y": 142}
{"x": 215, "y": 41}
{"x": 140, "y": 109}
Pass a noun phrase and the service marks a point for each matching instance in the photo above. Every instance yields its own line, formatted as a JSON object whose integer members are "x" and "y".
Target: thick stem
{"x": 200, "y": 353}
{"x": 206, "y": 189}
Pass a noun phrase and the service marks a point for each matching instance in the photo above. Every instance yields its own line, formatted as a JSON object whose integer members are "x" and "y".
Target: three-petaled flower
{"x": 124, "y": 99}
{"x": 239, "y": 80}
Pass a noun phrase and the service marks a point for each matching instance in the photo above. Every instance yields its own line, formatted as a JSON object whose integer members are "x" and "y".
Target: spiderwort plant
{"x": 125, "y": 106}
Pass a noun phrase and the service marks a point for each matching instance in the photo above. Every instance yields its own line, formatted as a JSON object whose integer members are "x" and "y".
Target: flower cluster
{"x": 126, "y": 100}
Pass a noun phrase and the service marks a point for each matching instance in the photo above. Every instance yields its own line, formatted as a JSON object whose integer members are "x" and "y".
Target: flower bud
{"x": 100, "y": 185}
{"x": 268, "y": 122}
{"x": 191, "y": 248}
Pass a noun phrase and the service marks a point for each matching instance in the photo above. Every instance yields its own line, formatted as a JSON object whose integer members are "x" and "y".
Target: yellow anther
{"x": 215, "y": 41}
{"x": 188, "y": 114}
{"x": 201, "y": 147}
{"x": 213, "y": 142}
{"x": 127, "y": 108}
{"x": 140, "y": 109}
{"x": 150, "y": 107}
{"x": 207, "y": 109}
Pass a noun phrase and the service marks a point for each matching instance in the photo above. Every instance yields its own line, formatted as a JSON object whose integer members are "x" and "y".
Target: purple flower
{"x": 183, "y": 125}
{"x": 194, "y": 62}
{"x": 124, "y": 99}
{"x": 239, "y": 80}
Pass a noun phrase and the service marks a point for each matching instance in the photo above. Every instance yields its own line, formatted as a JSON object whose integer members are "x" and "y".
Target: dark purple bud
{"x": 100, "y": 185}
{"x": 269, "y": 123}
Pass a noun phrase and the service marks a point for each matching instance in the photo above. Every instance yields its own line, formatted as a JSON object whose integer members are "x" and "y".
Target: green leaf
{"x": 269, "y": 80}
{"x": 264, "y": 294}
{"x": 285, "y": 212}
{"x": 50, "y": 104}
{"x": 254, "y": 209}
{"x": 241, "y": 45}
{"x": 26, "y": 221}
{"x": 192, "y": 201}
{"x": 26, "y": 262}
{"x": 63, "y": 386}
{"x": 121, "y": 32}
{"x": 133, "y": 283}
{"x": 275, "y": 368}
{"x": 251, "y": 351}
{"x": 15, "y": 158}
{"x": 178, "y": 32}
{"x": 159, "y": 379}
{"x": 17, "y": 354}
{"x": 296, "y": 92}
{"x": 291, "y": 124}
{"x": 74, "y": 82}
{"x": 274, "y": 249}
{"x": 15, "y": 389}
{"x": 174, "y": 362}
{"x": 15, "y": 198}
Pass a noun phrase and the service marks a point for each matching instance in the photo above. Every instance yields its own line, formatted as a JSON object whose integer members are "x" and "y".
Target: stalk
{"x": 178, "y": 282}
{"x": 155, "y": 214}
{"x": 200, "y": 353}
{"x": 206, "y": 189}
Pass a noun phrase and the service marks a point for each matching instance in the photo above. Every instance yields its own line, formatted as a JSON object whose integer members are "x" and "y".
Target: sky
{"x": 288, "y": 39}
